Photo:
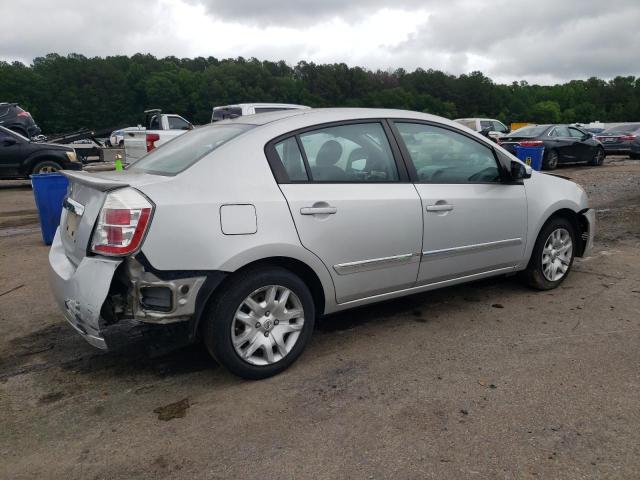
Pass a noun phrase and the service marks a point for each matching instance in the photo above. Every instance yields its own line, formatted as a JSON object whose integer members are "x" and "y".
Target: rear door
{"x": 353, "y": 205}
{"x": 473, "y": 222}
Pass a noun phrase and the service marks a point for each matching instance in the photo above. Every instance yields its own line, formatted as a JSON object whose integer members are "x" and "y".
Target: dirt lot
{"x": 489, "y": 380}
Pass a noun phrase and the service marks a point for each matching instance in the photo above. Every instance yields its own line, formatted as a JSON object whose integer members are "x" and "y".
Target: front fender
{"x": 546, "y": 195}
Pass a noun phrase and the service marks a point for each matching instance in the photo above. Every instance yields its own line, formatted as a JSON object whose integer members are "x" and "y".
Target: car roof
{"x": 325, "y": 115}
{"x": 263, "y": 105}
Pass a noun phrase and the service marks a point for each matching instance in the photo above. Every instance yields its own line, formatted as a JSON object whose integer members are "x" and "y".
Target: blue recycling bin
{"x": 532, "y": 156}
{"x": 49, "y": 190}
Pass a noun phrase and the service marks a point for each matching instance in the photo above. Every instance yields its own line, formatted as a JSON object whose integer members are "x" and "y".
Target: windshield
{"x": 180, "y": 153}
{"x": 531, "y": 131}
{"x": 623, "y": 128}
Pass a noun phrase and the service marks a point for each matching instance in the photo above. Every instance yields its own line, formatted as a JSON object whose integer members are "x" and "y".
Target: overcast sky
{"x": 541, "y": 41}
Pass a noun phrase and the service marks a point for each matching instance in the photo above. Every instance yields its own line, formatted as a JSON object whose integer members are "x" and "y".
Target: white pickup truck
{"x": 159, "y": 128}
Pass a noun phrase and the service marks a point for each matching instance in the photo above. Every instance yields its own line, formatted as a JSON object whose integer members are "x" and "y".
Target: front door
{"x": 354, "y": 207}
{"x": 473, "y": 222}
{"x": 11, "y": 154}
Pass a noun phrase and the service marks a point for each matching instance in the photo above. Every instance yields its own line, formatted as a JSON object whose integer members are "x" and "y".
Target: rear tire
{"x": 598, "y": 158}
{"x": 550, "y": 161}
{"x": 552, "y": 256}
{"x": 249, "y": 329}
{"x": 48, "y": 166}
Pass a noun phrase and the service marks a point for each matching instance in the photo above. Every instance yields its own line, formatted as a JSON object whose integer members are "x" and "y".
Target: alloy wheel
{"x": 557, "y": 254}
{"x": 267, "y": 325}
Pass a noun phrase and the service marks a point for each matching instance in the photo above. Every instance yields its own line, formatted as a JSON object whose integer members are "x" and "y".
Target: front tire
{"x": 552, "y": 256}
{"x": 48, "y": 166}
{"x": 550, "y": 161}
{"x": 260, "y": 322}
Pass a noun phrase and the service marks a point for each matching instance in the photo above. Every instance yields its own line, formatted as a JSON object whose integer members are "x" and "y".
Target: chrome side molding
{"x": 375, "y": 263}
{"x": 446, "y": 252}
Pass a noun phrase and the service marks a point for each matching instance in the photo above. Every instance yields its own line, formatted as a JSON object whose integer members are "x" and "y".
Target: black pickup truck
{"x": 20, "y": 157}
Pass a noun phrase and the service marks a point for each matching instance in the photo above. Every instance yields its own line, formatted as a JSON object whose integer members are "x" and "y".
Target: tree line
{"x": 65, "y": 93}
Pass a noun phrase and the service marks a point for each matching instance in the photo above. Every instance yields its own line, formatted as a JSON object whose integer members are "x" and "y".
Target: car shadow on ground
{"x": 58, "y": 345}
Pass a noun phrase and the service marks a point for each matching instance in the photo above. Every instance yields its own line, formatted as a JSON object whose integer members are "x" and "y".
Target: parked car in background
{"x": 158, "y": 128}
{"x": 20, "y": 157}
{"x": 116, "y": 139}
{"x": 622, "y": 139}
{"x": 490, "y": 127}
{"x": 240, "y": 109}
{"x": 562, "y": 144}
{"x": 242, "y": 232}
{"x": 15, "y": 118}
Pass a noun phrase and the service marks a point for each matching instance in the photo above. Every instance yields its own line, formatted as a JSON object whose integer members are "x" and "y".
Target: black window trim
{"x": 280, "y": 173}
{"x": 505, "y": 176}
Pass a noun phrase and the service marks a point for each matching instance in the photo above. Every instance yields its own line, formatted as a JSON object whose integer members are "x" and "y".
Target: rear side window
{"x": 185, "y": 150}
{"x": 443, "y": 156}
{"x": 349, "y": 153}
{"x": 3, "y": 110}
{"x": 269, "y": 109}
{"x": 291, "y": 158}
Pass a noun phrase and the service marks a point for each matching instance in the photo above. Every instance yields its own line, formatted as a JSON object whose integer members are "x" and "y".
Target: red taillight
{"x": 122, "y": 224}
{"x": 627, "y": 138}
{"x": 23, "y": 114}
{"x": 117, "y": 216}
{"x": 152, "y": 138}
{"x": 531, "y": 143}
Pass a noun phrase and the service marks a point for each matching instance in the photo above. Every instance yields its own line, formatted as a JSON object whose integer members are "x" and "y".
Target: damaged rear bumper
{"x": 81, "y": 290}
{"x": 114, "y": 302}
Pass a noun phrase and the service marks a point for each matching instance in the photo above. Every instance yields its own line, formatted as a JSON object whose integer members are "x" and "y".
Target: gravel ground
{"x": 488, "y": 380}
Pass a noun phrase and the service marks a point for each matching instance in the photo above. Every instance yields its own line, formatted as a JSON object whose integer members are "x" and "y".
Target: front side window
{"x": 349, "y": 153}
{"x": 575, "y": 133}
{"x": 177, "y": 123}
{"x": 440, "y": 155}
{"x": 499, "y": 127}
{"x": 484, "y": 124}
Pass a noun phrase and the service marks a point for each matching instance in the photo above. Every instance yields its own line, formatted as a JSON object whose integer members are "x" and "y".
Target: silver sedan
{"x": 243, "y": 232}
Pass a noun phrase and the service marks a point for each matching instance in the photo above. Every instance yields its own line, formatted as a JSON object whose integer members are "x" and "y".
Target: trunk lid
{"x": 85, "y": 196}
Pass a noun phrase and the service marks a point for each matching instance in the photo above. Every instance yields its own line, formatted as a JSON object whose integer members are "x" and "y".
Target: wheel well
{"x": 580, "y": 225}
{"x": 301, "y": 269}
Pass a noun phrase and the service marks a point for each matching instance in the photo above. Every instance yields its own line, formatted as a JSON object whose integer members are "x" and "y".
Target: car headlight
{"x": 72, "y": 156}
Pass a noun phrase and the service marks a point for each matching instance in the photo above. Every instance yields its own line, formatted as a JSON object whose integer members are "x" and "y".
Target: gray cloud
{"x": 300, "y": 13}
{"x": 544, "y": 41}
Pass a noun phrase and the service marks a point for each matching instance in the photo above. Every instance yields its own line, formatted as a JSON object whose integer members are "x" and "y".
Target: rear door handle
{"x": 318, "y": 210}
{"x": 439, "y": 208}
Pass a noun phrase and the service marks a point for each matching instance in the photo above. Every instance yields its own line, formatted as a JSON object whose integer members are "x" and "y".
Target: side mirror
{"x": 520, "y": 171}
{"x": 485, "y": 132}
{"x": 189, "y": 127}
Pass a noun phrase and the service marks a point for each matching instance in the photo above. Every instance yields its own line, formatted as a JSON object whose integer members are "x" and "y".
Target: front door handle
{"x": 318, "y": 210}
{"x": 439, "y": 208}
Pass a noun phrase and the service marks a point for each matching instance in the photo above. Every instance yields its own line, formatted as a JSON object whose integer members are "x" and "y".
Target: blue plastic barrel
{"x": 49, "y": 190}
{"x": 532, "y": 156}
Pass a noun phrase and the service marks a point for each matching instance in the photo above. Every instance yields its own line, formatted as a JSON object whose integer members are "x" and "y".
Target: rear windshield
{"x": 632, "y": 127}
{"x": 180, "y": 153}
{"x": 530, "y": 131}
